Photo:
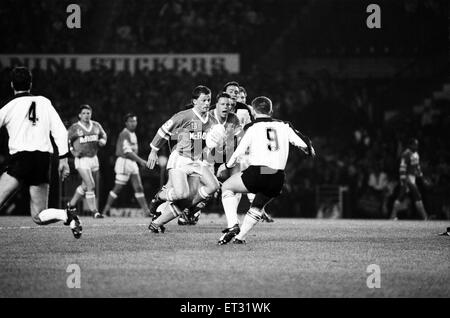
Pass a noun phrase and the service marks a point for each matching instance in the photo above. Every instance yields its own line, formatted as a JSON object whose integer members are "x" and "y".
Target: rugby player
{"x": 267, "y": 140}
{"x": 85, "y": 138}
{"x": 126, "y": 167}
{"x": 190, "y": 128}
{"x": 409, "y": 171}
{"x": 30, "y": 121}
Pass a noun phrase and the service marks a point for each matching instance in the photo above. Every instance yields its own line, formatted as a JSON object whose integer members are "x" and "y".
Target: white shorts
{"x": 88, "y": 163}
{"x": 189, "y": 166}
{"x": 124, "y": 168}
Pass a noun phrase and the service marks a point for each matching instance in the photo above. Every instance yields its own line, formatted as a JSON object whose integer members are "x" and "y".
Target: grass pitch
{"x": 118, "y": 257}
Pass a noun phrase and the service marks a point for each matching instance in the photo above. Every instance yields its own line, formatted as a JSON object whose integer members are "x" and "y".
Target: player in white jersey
{"x": 267, "y": 140}
{"x": 245, "y": 114}
{"x": 126, "y": 167}
{"x": 30, "y": 121}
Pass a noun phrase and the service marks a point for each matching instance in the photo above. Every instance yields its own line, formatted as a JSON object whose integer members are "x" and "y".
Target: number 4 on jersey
{"x": 32, "y": 113}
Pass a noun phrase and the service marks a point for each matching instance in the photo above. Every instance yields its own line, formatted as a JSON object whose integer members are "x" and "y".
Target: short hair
{"x": 21, "y": 78}
{"x": 242, "y": 89}
{"x": 230, "y": 84}
{"x": 262, "y": 105}
{"x": 200, "y": 90}
{"x": 222, "y": 95}
{"x": 84, "y": 106}
{"x": 128, "y": 115}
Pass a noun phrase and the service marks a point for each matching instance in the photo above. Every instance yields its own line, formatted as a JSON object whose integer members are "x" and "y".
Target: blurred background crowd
{"x": 359, "y": 123}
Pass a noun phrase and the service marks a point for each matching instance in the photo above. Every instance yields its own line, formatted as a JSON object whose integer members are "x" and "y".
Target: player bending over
{"x": 85, "y": 137}
{"x": 267, "y": 140}
{"x": 30, "y": 120}
{"x": 189, "y": 127}
{"x": 126, "y": 167}
{"x": 409, "y": 171}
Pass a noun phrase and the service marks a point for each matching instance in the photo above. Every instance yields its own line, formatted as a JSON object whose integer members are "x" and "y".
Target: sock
{"x": 230, "y": 208}
{"x": 251, "y": 197}
{"x": 79, "y": 193}
{"x": 140, "y": 197}
{"x": 109, "y": 202}
{"x": 91, "y": 201}
{"x": 395, "y": 209}
{"x": 53, "y": 215}
{"x": 169, "y": 213}
{"x": 251, "y": 219}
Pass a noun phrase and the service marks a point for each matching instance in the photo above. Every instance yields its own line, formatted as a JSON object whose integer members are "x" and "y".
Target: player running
{"x": 245, "y": 115}
{"x": 268, "y": 142}
{"x": 190, "y": 128}
{"x": 409, "y": 171}
{"x": 126, "y": 167}
{"x": 85, "y": 137}
{"x": 30, "y": 120}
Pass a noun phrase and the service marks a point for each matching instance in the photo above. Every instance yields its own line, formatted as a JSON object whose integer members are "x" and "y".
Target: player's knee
{"x": 81, "y": 190}
{"x": 90, "y": 188}
{"x": 179, "y": 194}
{"x": 139, "y": 194}
{"x": 227, "y": 194}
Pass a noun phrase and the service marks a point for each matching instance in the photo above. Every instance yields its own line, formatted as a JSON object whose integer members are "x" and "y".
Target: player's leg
{"x": 41, "y": 215}
{"x": 253, "y": 216}
{"x": 417, "y": 198}
{"x": 229, "y": 188}
{"x": 80, "y": 192}
{"x": 232, "y": 186}
{"x": 398, "y": 202}
{"x": 88, "y": 179}
{"x": 168, "y": 211}
{"x": 8, "y": 184}
{"x": 112, "y": 196}
{"x": 265, "y": 216}
{"x": 178, "y": 189}
{"x": 208, "y": 186}
{"x": 136, "y": 182}
{"x": 121, "y": 179}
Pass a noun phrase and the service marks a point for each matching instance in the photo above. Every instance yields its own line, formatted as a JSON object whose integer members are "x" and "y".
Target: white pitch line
{"x": 56, "y": 226}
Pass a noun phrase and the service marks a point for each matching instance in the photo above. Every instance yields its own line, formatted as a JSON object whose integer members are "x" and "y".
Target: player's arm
{"x": 3, "y": 111}
{"x": 60, "y": 136}
{"x": 301, "y": 141}
{"x": 241, "y": 149}
{"x": 129, "y": 153}
{"x": 162, "y": 136}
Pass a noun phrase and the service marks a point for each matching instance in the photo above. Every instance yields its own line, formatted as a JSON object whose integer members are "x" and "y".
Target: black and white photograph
{"x": 224, "y": 153}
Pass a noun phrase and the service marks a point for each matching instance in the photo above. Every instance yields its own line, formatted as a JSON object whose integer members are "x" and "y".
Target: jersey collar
{"x": 22, "y": 94}
{"x": 200, "y": 117}
{"x": 87, "y": 129}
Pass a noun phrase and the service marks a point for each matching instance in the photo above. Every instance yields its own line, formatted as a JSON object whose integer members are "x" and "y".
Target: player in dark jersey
{"x": 409, "y": 171}
{"x": 190, "y": 128}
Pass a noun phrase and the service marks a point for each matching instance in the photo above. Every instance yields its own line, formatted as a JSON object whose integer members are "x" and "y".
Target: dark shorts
{"x": 260, "y": 179}
{"x": 32, "y": 168}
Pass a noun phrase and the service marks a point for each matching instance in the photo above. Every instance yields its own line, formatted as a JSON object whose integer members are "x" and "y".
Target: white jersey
{"x": 267, "y": 141}
{"x": 30, "y": 120}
